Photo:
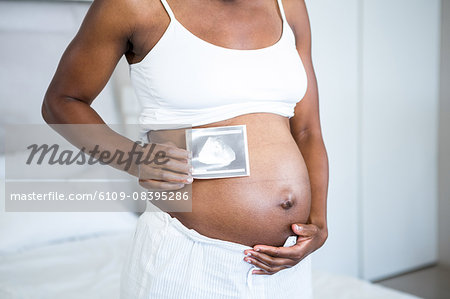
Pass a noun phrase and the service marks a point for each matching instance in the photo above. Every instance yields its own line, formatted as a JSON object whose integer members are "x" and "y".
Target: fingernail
{"x": 298, "y": 227}
{"x": 248, "y": 254}
{"x": 249, "y": 261}
{"x": 256, "y": 249}
{"x": 189, "y": 180}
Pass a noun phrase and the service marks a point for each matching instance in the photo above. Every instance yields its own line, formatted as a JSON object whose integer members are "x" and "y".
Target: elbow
{"x": 53, "y": 109}
{"x": 325, "y": 235}
{"x": 46, "y": 111}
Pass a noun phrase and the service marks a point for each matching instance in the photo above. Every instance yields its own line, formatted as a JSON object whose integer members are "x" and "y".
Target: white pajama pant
{"x": 168, "y": 260}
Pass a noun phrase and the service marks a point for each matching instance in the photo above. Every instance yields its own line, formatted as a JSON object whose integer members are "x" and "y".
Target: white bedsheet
{"x": 90, "y": 268}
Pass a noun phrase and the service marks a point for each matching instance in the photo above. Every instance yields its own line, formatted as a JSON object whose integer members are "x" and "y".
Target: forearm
{"x": 87, "y": 131}
{"x": 312, "y": 147}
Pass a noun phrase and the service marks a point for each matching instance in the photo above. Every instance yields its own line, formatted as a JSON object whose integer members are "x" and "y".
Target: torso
{"x": 244, "y": 25}
{"x": 258, "y": 209}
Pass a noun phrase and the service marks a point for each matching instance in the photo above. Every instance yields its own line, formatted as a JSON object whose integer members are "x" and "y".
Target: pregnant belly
{"x": 260, "y": 208}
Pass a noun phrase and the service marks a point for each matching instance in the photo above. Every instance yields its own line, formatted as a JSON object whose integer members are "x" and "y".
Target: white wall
{"x": 33, "y": 36}
{"x": 377, "y": 68}
{"x": 444, "y": 138}
{"x": 399, "y": 135}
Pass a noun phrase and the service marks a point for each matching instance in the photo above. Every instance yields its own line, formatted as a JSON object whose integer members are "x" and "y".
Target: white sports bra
{"x": 189, "y": 81}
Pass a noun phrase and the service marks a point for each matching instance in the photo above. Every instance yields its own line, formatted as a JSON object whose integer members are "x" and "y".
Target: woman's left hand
{"x": 273, "y": 259}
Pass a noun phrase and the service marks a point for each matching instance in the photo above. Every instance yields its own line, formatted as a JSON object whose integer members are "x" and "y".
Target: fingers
{"x": 295, "y": 252}
{"x": 165, "y": 175}
{"x": 173, "y": 151}
{"x": 261, "y": 272}
{"x": 160, "y": 185}
{"x": 280, "y": 252}
{"x": 273, "y": 259}
{"x": 267, "y": 269}
{"x": 159, "y": 179}
{"x": 173, "y": 174}
{"x": 270, "y": 260}
{"x": 178, "y": 166}
{"x": 165, "y": 150}
{"x": 305, "y": 230}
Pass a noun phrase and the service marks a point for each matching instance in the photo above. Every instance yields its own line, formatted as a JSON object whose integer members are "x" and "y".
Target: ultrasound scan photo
{"x": 218, "y": 152}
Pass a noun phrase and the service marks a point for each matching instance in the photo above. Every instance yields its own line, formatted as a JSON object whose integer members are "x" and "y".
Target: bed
{"x": 88, "y": 266}
{"x": 81, "y": 268}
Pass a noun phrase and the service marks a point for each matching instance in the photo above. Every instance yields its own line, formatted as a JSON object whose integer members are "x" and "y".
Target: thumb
{"x": 305, "y": 230}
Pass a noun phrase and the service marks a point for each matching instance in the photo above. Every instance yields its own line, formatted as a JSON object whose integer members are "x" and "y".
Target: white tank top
{"x": 189, "y": 81}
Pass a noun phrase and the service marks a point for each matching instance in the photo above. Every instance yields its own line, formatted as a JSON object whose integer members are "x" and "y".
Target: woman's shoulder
{"x": 131, "y": 13}
{"x": 297, "y": 17}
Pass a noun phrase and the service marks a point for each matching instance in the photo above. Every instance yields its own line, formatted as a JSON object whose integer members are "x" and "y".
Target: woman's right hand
{"x": 173, "y": 174}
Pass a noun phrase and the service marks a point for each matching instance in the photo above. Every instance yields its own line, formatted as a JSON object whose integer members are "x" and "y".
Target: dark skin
{"x": 285, "y": 197}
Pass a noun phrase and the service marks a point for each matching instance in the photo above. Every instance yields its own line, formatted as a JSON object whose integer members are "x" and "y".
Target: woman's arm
{"x": 82, "y": 73}
{"x": 306, "y": 130}
{"x": 305, "y": 125}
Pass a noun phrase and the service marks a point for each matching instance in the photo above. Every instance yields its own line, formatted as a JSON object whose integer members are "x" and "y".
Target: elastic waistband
{"x": 153, "y": 213}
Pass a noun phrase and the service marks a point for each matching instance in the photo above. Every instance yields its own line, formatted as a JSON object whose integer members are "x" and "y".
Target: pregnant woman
{"x": 212, "y": 63}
